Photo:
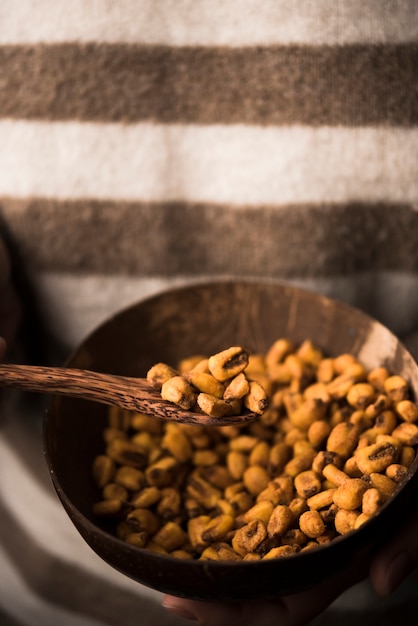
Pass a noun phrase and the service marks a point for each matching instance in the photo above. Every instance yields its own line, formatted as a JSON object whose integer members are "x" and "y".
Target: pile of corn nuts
{"x": 333, "y": 445}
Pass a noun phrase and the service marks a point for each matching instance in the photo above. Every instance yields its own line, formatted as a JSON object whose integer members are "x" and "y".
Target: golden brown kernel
{"x": 343, "y": 439}
{"x": 361, "y": 395}
{"x": 228, "y": 363}
{"x": 280, "y": 520}
{"x": 170, "y": 537}
{"x": 312, "y": 524}
{"x": 103, "y": 470}
{"x": 376, "y": 457}
{"x": 407, "y": 410}
{"x": 249, "y": 537}
{"x": 396, "y": 388}
{"x": 180, "y": 392}
{"x": 349, "y": 495}
{"x": 218, "y": 528}
{"x": 160, "y": 373}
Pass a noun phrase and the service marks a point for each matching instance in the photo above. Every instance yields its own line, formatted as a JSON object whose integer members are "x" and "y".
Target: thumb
{"x": 396, "y": 559}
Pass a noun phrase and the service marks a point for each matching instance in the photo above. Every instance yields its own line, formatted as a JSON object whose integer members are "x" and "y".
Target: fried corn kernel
{"x": 334, "y": 445}
{"x": 349, "y": 495}
{"x": 143, "y": 520}
{"x": 113, "y": 491}
{"x": 146, "y": 498}
{"x": 249, "y": 537}
{"x": 195, "y": 528}
{"x": 335, "y": 476}
{"x": 345, "y": 521}
{"x": 371, "y": 501}
{"x": 198, "y": 362}
{"x": 169, "y": 503}
{"x": 127, "y": 453}
{"x": 103, "y": 470}
{"x": 139, "y": 540}
{"x": 203, "y": 492}
{"x": 237, "y": 463}
{"x": 307, "y": 484}
{"x": 255, "y": 478}
{"x": 211, "y": 405}
{"x": 130, "y": 477}
{"x": 278, "y": 351}
{"x": 160, "y": 373}
{"x": 298, "y": 464}
{"x": 322, "y": 499}
{"x": 237, "y": 388}
{"x": 228, "y": 363}
{"x": 260, "y": 454}
{"x": 407, "y": 410}
{"x": 108, "y": 508}
{"x": 361, "y": 395}
{"x": 170, "y": 537}
{"x": 396, "y": 388}
{"x": 407, "y": 455}
{"x": 180, "y": 392}
{"x": 407, "y": 434}
{"x": 256, "y": 399}
{"x": 205, "y": 383}
{"x": 318, "y": 432}
{"x": 261, "y": 510}
{"x": 312, "y": 524}
{"x": 280, "y": 552}
{"x": 176, "y": 442}
{"x": 218, "y": 528}
{"x": 397, "y": 472}
{"x": 162, "y": 473}
{"x": 280, "y": 520}
{"x": 385, "y": 485}
{"x": 376, "y": 457}
{"x": 343, "y": 439}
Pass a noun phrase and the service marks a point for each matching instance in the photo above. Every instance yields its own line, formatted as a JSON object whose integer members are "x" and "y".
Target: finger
{"x": 292, "y": 610}
{"x": 229, "y": 614}
{"x": 396, "y": 559}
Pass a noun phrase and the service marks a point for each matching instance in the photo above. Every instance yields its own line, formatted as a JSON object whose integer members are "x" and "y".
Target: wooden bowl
{"x": 206, "y": 318}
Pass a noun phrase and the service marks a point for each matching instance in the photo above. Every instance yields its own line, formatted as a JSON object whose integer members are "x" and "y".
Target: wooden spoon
{"x": 134, "y": 394}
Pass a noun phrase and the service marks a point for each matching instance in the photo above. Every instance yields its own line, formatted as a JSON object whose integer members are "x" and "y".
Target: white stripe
{"x": 209, "y": 22}
{"x": 231, "y": 164}
{"x": 48, "y": 524}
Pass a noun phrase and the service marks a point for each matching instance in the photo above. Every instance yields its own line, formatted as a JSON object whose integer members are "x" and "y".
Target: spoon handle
{"x": 128, "y": 393}
{"x": 134, "y": 394}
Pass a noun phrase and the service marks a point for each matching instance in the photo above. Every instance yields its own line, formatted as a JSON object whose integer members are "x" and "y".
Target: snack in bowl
{"x": 202, "y": 319}
{"x": 333, "y": 446}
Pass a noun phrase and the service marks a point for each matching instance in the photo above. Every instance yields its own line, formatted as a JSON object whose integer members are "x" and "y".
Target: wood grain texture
{"x": 134, "y": 394}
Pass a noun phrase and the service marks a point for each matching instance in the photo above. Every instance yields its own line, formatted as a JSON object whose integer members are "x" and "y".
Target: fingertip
{"x": 386, "y": 580}
{"x": 178, "y": 607}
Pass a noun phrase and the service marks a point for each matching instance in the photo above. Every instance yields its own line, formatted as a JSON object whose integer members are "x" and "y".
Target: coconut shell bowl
{"x": 206, "y": 318}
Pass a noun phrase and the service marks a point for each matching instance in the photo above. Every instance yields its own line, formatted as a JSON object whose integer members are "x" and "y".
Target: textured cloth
{"x": 148, "y": 143}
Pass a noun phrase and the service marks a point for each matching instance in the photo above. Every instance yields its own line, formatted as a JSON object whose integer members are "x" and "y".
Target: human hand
{"x": 294, "y": 610}
{"x": 390, "y": 566}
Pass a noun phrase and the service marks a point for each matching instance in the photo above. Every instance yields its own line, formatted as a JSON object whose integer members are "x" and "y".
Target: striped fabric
{"x": 146, "y": 143}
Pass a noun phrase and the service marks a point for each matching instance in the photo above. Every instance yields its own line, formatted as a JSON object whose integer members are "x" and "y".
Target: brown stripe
{"x": 184, "y": 239}
{"x": 348, "y": 85}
